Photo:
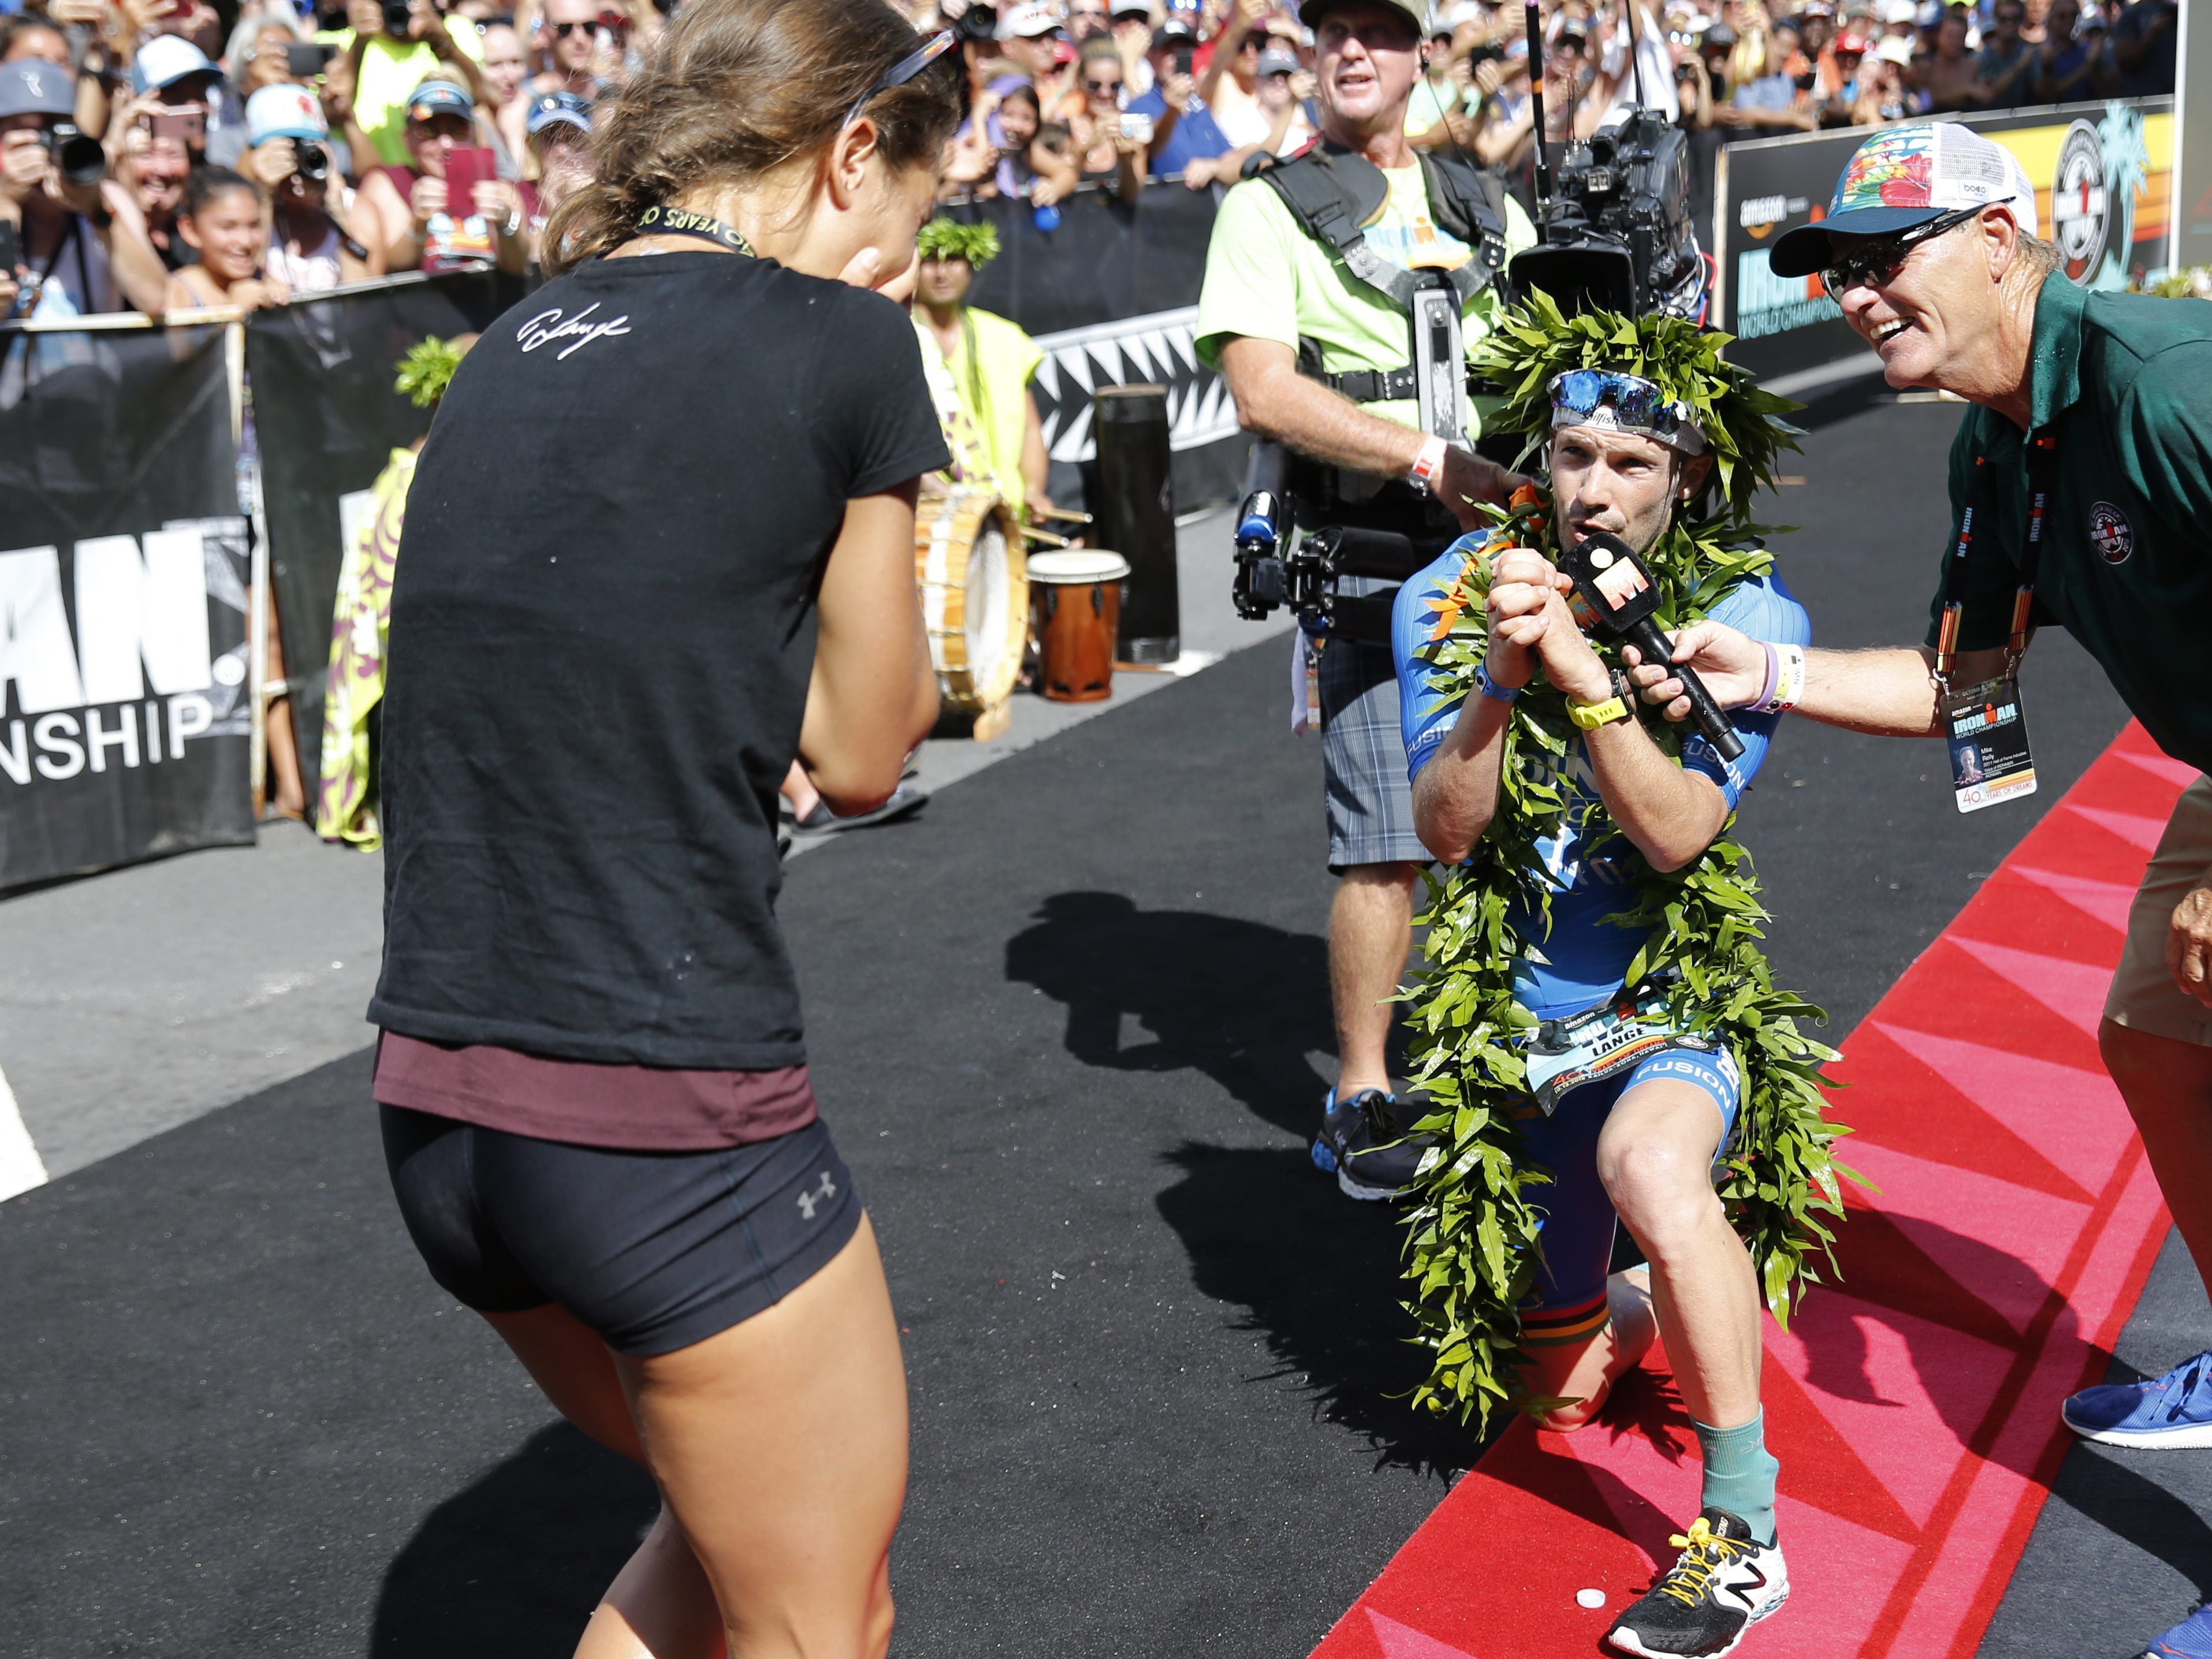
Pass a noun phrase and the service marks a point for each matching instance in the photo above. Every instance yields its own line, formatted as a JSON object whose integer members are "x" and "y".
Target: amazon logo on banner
{"x": 134, "y": 682}
{"x": 1157, "y": 349}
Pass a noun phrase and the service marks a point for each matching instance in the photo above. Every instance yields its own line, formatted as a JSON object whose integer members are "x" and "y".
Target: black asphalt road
{"x": 1070, "y": 1027}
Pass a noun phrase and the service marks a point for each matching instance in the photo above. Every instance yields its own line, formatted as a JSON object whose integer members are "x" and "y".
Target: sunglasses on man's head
{"x": 562, "y": 30}
{"x": 1874, "y": 263}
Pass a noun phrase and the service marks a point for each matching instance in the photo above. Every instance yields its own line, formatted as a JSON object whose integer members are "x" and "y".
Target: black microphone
{"x": 1619, "y": 589}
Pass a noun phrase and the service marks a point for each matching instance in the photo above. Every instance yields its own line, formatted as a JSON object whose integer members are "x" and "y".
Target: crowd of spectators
{"x": 169, "y": 156}
{"x": 1117, "y": 92}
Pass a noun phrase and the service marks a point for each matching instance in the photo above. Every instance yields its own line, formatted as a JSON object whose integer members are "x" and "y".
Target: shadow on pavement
{"x": 1320, "y": 1278}
{"x": 514, "y": 1564}
{"x": 1242, "y": 1002}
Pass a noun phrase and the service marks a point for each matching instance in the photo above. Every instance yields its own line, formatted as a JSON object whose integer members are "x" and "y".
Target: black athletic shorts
{"x": 652, "y": 1251}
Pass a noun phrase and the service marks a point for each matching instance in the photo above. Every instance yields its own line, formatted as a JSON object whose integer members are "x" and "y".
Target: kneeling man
{"x": 1638, "y": 1143}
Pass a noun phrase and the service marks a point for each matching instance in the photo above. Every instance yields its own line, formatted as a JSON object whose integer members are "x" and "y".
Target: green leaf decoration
{"x": 427, "y": 370}
{"x": 1472, "y": 1245}
{"x": 949, "y": 238}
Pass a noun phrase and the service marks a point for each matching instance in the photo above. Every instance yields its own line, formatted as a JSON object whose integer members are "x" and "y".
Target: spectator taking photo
{"x": 310, "y": 247}
{"x": 421, "y": 222}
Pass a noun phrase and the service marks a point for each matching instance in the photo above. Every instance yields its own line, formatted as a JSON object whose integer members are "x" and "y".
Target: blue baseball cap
{"x": 439, "y": 97}
{"x": 557, "y": 109}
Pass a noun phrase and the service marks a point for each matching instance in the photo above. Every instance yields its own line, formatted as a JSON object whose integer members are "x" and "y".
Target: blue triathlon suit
{"x": 1586, "y": 961}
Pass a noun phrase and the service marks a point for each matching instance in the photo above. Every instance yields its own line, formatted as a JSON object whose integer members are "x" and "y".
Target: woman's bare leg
{"x": 661, "y": 1605}
{"x": 781, "y": 1444}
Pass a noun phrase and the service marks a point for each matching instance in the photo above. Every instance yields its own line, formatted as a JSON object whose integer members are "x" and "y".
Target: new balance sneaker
{"x": 2171, "y": 1412}
{"x": 1723, "y": 1585}
{"x": 2189, "y": 1639}
{"x": 1361, "y": 1140}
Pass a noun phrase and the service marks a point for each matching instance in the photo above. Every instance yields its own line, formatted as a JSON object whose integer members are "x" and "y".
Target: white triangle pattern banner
{"x": 1157, "y": 349}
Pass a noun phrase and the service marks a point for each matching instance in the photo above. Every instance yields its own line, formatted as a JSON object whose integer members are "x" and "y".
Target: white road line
{"x": 20, "y": 1166}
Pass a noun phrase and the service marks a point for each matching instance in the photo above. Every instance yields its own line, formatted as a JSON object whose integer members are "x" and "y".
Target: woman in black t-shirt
{"x": 660, "y": 543}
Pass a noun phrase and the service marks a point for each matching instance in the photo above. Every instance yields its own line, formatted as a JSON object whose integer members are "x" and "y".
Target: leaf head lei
{"x": 1473, "y": 1248}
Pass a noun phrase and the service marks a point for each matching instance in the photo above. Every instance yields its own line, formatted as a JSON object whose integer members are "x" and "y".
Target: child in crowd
{"x": 222, "y": 221}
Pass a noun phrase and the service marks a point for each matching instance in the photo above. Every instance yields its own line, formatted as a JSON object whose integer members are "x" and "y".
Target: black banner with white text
{"x": 124, "y": 718}
{"x": 329, "y": 420}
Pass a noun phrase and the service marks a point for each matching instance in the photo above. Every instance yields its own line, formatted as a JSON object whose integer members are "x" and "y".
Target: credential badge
{"x": 2111, "y": 533}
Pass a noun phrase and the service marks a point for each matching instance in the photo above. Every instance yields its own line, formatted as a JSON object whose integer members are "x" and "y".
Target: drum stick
{"x": 1063, "y": 515}
{"x": 1046, "y": 536}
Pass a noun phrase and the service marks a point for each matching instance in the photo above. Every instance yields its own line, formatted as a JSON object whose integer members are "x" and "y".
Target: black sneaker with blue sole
{"x": 1363, "y": 1142}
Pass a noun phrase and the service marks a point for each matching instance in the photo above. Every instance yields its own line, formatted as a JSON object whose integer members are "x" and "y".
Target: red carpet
{"x": 1915, "y": 1407}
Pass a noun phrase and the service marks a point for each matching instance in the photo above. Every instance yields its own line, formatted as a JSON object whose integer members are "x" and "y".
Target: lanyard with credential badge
{"x": 1983, "y": 725}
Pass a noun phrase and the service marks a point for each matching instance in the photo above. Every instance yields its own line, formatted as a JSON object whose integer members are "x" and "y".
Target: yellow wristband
{"x": 1591, "y": 715}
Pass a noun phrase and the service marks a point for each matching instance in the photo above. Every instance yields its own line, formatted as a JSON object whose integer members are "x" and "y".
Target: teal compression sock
{"x": 1739, "y": 1473}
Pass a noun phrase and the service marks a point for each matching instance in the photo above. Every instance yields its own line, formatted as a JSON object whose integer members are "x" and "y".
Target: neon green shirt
{"x": 1266, "y": 279}
{"x": 389, "y": 75}
{"x": 992, "y": 383}
{"x": 1429, "y": 104}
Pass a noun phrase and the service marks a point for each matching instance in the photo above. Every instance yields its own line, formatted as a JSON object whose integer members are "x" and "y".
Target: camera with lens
{"x": 979, "y": 24}
{"x": 395, "y": 15}
{"x": 311, "y": 161}
{"x": 1618, "y": 234}
{"x": 1275, "y": 569}
{"x": 78, "y": 156}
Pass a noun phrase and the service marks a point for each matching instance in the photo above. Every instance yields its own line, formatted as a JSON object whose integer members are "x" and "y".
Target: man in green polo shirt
{"x": 2102, "y": 402}
{"x": 1319, "y": 359}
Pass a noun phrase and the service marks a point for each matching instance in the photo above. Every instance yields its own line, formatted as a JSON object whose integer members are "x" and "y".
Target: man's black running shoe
{"x": 1361, "y": 1141}
{"x": 1724, "y": 1583}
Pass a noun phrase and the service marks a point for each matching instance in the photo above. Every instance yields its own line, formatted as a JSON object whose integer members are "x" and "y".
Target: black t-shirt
{"x": 603, "y": 623}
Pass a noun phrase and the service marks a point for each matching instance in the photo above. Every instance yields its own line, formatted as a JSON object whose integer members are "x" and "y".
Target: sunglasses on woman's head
{"x": 1876, "y": 262}
{"x": 1102, "y": 86}
{"x": 905, "y": 69}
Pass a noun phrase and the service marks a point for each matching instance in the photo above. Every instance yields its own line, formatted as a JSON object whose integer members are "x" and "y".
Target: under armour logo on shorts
{"x": 821, "y": 1195}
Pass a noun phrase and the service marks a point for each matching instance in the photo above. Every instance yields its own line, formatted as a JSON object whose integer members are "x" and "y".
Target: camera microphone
{"x": 1621, "y": 595}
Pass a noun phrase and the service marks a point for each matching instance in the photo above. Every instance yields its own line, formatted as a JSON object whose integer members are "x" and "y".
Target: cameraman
{"x": 81, "y": 241}
{"x": 310, "y": 248}
{"x": 1278, "y": 294}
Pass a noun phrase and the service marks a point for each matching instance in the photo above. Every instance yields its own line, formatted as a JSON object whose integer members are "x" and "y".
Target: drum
{"x": 1078, "y": 596}
{"x": 969, "y": 561}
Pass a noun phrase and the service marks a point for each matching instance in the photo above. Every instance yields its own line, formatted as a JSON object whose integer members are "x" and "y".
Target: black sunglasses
{"x": 1102, "y": 86}
{"x": 562, "y": 30}
{"x": 905, "y": 69}
{"x": 1874, "y": 263}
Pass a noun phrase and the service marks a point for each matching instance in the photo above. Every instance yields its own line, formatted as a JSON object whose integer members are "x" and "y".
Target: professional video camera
{"x": 1616, "y": 229}
{"x": 1617, "y": 232}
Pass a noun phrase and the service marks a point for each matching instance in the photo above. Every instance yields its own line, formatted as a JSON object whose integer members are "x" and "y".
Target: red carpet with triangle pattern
{"x": 1915, "y": 1407}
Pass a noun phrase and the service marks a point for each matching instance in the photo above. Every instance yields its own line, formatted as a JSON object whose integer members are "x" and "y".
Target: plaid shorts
{"x": 1370, "y": 804}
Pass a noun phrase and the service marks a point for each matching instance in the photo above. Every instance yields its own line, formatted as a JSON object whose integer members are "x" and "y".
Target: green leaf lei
{"x": 1471, "y": 1247}
{"x": 427, "y": 369}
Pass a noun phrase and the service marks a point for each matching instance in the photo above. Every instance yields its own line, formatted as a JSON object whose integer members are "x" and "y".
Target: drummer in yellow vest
{"x": 990, "y": 361}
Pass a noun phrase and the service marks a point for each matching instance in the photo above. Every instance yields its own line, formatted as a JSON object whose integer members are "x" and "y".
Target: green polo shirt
{"x": 2125, "y": 382}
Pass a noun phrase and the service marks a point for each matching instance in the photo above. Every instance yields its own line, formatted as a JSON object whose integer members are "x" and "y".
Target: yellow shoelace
{"x": 1708, "y": 1550}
